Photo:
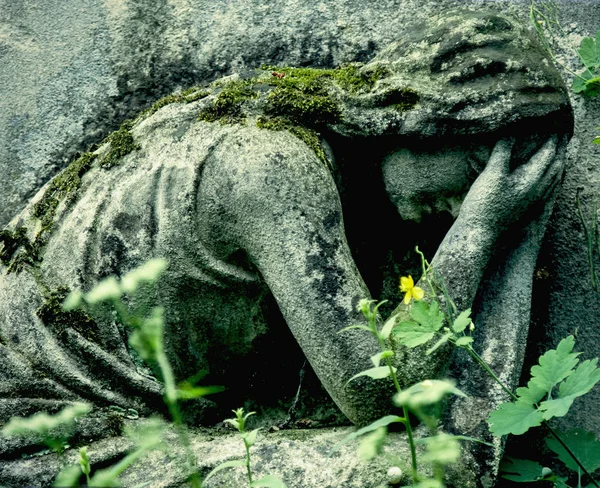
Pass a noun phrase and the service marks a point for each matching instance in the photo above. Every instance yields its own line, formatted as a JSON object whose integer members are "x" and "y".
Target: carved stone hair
{"x": 471, "y": 72}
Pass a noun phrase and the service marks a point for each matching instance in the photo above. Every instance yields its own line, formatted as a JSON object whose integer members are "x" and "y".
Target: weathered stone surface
{"x": 301, "y": 458}
{"x": 570, "y": 251}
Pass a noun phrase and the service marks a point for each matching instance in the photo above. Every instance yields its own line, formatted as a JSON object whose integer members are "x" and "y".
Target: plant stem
{"x": 488, "y": 370}
{"x": 409, "y": 432}
{"x": 171, "y": 401}
{"x": 571, "y": 453}
{"x": 248, "y": 463}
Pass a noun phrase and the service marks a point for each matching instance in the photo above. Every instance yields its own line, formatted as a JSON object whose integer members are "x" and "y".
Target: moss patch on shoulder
{"x": 227, "y": 106}
{"x": 65, "y": 186}
{"x": 16, "y": 250}
{"x": 121, "y": 143}
{"x": 306, "y": 135}
{"x": 186, "y": 96}
{"x": 59, "y": 320}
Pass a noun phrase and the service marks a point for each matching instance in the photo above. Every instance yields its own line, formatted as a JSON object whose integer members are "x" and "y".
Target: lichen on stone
{"x": 59, "y": 320}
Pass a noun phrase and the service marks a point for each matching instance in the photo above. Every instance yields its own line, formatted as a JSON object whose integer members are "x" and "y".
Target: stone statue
{"x": 282, "y": 186}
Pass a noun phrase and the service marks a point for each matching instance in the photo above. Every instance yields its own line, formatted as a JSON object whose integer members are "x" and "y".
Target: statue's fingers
{"x": 500, "y": 157}
{"x": 542, "y": 162}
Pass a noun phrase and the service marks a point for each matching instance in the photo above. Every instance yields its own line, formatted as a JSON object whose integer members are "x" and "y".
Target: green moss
{"x": 65, "y": 186}
{"x": 59, "y": 320}
{"x": 227, "y": 106}
{"x": 187, "y": 96}
{"x": 121, "y": 143}
{"x": 313, "y": 80}
{"x": 308, "y": 136}
{"x": 302, "y": 108}
{"x": 16, "y": 250}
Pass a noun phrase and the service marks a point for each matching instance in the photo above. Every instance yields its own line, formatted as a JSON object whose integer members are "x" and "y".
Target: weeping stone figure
{"x": 281, "y": 197}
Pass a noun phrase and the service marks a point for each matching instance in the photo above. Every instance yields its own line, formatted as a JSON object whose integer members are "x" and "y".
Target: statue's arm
{"x": 278, "y": 203}
{"x": 497, "y": 199}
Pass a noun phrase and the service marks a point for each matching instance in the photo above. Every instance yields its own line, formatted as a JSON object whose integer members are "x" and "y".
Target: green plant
{"x": 249, "y": 438}
{"x": 557, "y": 374}
{"x": 147, "y": 340}
{"x": 592, "y": 237}
{"x": 441, "y": 449}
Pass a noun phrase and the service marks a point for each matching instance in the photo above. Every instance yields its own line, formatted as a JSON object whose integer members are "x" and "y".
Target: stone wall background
{"x": 72, "y": 70}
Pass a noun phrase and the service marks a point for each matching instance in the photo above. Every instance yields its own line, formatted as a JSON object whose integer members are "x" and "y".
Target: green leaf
{"x": 148, "y": 272}
{"x": 375, "y": 373}
{"x": 376, "y": 359}
{"x": 411, "y": 334}
{"x": 439, "y": 343}
{"x": 555, "y": 365}
{"x": 269, "y": 481}
{"x": 68, "y": 477}
{"x": 225, "y": 465}
{"x": 372, "y": 444}
{"x": 589, "y": 51}
{"x": 463, "y": 341}
{"x": 579, "y": 383}
{"x": 42, "y": 423}
{"x": 429, "y": 316}
{"x": 189, "y": 392}
{"x": 583, "y": 444}
{"x": 382, "y": 422}
{"x": 462, "y": 321}
{"x": 84, "y": 460}
{"x": 107, "y": 289}
{"x": 597, "y": 140}
{"x": 442, "y": 448}
{"x": 387, "y": 327}
{"x": 514, "y": 418}
{"x": 250, "y": 437}
{"x": 531, "y": 394}
{"x": 361, "y": 327}
{"x": 426, "y": 392}
{"x": 584, "y": 84}
{"x": 521, "y": 470}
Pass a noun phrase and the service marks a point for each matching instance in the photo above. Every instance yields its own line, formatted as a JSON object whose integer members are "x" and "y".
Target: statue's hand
{"x": 500, "y": 197}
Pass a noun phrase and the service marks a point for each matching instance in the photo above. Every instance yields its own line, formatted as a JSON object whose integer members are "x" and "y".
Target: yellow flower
{"x": 407, "y": 286}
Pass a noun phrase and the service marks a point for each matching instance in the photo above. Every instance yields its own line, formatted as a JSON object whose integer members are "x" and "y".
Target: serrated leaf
{"x": 579, "y": 383}
{"x": 445, "y": 338}
{"x": 411, "y": 334}
{"x": 386, "y": 330}
{"x": 555, "y": 365}
{"x": 531, "y": 393}
{"x": 462, "y": 321}
{"x": 514, "y": 418}
{"x": 222, "y": 466}
{"x": 521, "y": 470}
{"x": 583, "y": 444}
{"x": 376, "y": 359}
{"x": 427, "y": 315}
{"x": 268, "y": 481}
{"x": 583, "y": 84}
{"x": 375, "y": 373}
{"x": 463, "y": 341}
{"x": 589, "y": 51}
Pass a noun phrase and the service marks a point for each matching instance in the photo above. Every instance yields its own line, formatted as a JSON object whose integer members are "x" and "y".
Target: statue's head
{"x": 447, "y": 91}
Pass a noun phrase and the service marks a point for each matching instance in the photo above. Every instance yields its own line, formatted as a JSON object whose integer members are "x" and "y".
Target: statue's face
{"x": 422, "y": 183}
